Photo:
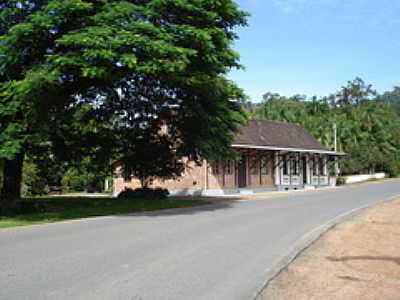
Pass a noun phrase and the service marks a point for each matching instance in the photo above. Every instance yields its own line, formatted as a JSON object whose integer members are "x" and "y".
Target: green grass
{"x": 55, "y": 209}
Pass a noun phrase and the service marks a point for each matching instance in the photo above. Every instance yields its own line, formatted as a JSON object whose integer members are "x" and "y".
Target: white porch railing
{"x": 296, "y": 180}
{"x": 319, "y": 180}
{"x": 285, "y": 180}
{"x": 291, "y": 180}
{"x": 323, "y": 180}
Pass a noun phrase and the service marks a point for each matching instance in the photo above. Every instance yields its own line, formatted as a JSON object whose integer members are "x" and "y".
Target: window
{"x": 295, "y": 167}
{"x": 228, "y": 167}
{"x": 127, "y": 177}
{"x": 254, "y": 165}
{"x": 285, "y": 166}
{"x": 264, "y": 166}
{"x": 321, "y": 167}
{"x": 215, "y": 166}
{"x": 315, "y": 166}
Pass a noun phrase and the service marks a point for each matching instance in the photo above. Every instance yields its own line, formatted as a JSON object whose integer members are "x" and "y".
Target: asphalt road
{"x": 222, "y": 251}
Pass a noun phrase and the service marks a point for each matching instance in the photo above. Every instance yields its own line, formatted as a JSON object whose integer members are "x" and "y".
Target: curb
{"x": 310, "y": 238}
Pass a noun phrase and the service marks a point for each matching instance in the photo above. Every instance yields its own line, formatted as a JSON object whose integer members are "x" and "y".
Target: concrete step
{"x": 246, "y": 192}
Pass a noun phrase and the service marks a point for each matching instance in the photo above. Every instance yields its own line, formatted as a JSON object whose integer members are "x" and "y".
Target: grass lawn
{"x": 54, "y": 209}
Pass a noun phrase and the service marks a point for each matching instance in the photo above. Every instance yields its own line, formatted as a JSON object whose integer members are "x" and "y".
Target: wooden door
{"x": 242, "y": 172}
{"x": 304, "y": 170}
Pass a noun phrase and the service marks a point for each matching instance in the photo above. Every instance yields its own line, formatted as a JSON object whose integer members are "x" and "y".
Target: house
{"x": 274, "y": 156}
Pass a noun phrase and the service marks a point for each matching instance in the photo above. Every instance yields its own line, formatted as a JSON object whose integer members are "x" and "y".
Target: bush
{"x": 341, "y": 180}
{"x": 32, "y": 183}
{"x": 94, "y": 186}
{"x": 73, "y": 180}
{"x": 144, "y": 193}
{"x": 392, "y": 168}
{"x": 80, "y": 179}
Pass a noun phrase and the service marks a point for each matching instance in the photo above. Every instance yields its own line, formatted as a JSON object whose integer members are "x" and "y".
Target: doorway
{"x": 304, "y": 170}
{"x": 242, "y": 172}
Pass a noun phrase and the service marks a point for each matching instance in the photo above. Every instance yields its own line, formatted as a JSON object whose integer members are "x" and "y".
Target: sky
{"x": 313, "y": 47}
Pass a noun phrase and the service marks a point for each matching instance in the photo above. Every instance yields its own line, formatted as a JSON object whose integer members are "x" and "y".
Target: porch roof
{"x": 271, "y": 135}
{"x": 272, "y": 148}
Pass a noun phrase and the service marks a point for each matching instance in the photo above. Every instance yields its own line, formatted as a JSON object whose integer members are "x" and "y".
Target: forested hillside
{"x": 368, "y": 125}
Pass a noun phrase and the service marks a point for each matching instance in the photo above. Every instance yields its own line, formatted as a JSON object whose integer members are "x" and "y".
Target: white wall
{"x": 364, "y": 177}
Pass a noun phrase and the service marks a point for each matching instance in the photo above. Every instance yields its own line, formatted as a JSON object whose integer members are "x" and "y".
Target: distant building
{"x": 274, "y": 156}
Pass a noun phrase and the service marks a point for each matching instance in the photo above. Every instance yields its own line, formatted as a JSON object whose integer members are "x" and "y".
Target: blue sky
{"x": 314, "y": 47}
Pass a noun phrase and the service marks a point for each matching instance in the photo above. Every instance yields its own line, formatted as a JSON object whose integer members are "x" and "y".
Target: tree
{"x": 85, "y": 176}
{"x": 161, "y": 162}
{"x": 125, "y": 60}
{"x": 392, "y": 98}
{"x": 353, "y": 93}
{"x": 368, "y": 126}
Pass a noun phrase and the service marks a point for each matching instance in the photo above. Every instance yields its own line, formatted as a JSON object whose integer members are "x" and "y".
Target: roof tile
{"x": 277, "y": 134}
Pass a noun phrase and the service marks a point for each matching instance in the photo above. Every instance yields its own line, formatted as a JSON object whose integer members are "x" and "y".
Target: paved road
{"x": 218, "y": 252}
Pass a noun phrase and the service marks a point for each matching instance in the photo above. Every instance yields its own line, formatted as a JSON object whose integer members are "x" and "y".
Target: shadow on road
{"x": 213, "y": 205}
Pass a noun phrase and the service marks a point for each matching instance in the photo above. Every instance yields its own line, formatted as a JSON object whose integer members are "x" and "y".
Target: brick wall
{"x": 260, "y": 172}
{"x": 210, "y": 175}
{"x": 194, "y": 178}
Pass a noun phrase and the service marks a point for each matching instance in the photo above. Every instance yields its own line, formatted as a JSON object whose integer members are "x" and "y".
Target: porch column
{"x": 290, "y": 168}
{"x": 248, "y": 179}
{"x": 311, "y": 168}
{"x": 277, "y": 168}
{"x": 336, "y": 166}
{"x": 319, "y": 169}
{"x": 325, "y": 165}
{"x": 308, "y": 169}
{"x": 205, "y": 175}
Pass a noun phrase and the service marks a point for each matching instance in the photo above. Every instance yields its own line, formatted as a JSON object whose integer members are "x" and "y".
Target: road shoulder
{"x": 357, "y": 259}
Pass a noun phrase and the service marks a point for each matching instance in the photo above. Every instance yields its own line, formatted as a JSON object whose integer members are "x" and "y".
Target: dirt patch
{"x": 359, "y": 259}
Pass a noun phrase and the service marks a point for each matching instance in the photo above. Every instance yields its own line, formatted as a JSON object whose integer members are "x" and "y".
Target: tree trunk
{"x": 11, "y": 190}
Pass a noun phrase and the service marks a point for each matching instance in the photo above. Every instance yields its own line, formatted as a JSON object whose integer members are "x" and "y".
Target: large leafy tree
{"x": 127, "y": 64}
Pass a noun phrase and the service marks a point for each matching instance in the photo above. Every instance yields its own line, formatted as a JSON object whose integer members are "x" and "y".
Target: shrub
{"x": 32, "y": 183}
{"x": 74, "y": 180}
{"x": 94, "y": 185}
{"x": 144, "y": 193}
{"x": 79, "y": 179}
{"x": 392, "y": 168}
{"x": 341, "y": 180}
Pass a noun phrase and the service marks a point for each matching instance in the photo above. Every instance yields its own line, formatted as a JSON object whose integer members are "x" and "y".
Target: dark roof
{"x": 277, "y": 134}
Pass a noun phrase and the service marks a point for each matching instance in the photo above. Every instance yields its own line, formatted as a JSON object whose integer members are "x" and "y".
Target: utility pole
{"x": 335, "y": 135}
{"x": 335, "y": 147}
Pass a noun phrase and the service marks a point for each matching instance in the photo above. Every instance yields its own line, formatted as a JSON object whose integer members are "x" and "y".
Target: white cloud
{"x": 295, "y": 6}
{"x": 289, "y": 6}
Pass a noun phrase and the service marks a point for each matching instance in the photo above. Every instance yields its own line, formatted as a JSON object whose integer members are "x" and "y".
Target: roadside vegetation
{"x": 86, "y": 83}
{"x": 368, "y": 124}
{"x": 60, "y": 208}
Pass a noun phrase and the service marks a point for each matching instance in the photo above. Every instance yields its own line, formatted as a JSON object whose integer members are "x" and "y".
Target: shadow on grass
{"x": 55, "y": 209}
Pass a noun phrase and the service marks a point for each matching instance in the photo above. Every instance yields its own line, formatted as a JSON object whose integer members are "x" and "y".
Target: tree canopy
{"x": 392, "y": 98}
{"x": 368, "y": 128}
{"x": 115, "y": 69}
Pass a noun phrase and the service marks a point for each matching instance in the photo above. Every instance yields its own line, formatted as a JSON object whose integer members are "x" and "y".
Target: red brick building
{"x": 274, "y": 156}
